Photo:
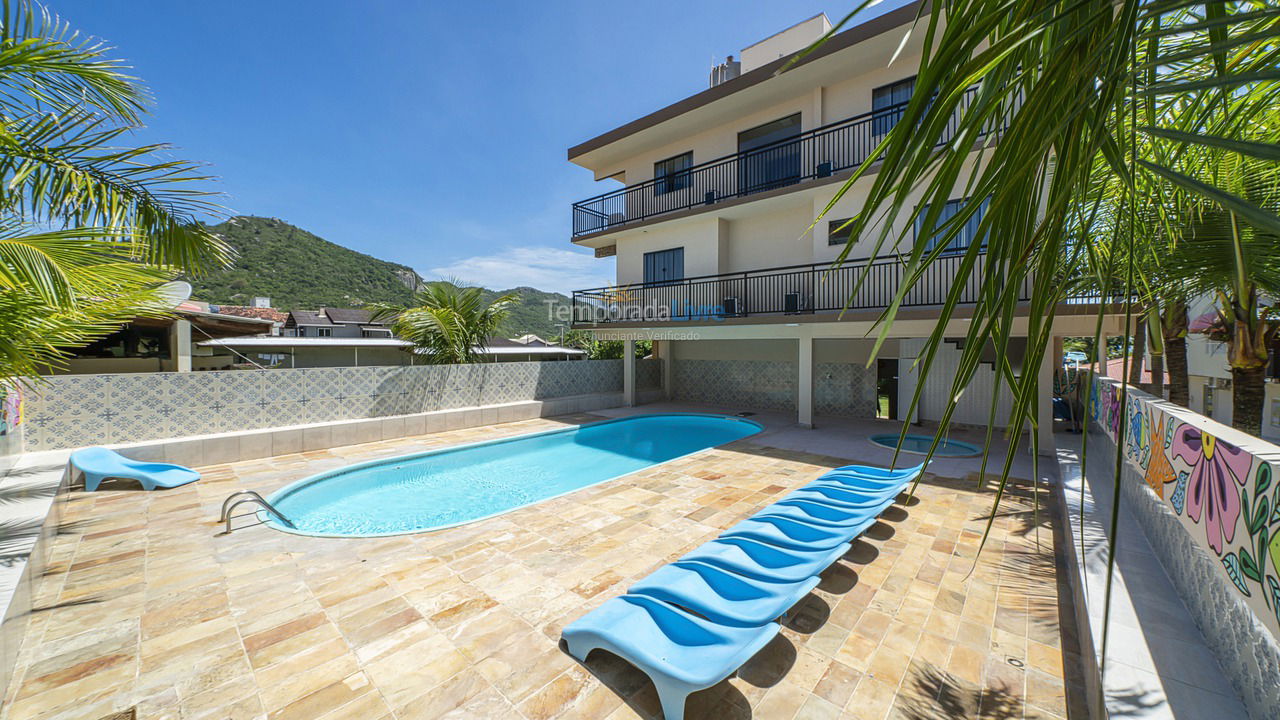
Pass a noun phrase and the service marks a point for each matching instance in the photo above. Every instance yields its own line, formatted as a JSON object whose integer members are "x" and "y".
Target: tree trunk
{"x": 1175, "y": 351}
{"x": 1139, "y": 349}
{"x": 1174, "y": 326}
{"x": 1157, "y": 375}
{"x": 1248, "y": 391}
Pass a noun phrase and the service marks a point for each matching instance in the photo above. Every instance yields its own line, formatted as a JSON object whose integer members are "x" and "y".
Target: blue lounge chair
{"x": 851, "y": 522}
{"x": 842, "y": 496}
{"x": 679, "y": 651}
{"x": 721, "y": 596}
{"x": 754, "y": 559}
{"x": 786, "y": 533}
{"x": 873, "y": 471}
{"x": 868, "y": 484}
{"x": 99, "y": 463}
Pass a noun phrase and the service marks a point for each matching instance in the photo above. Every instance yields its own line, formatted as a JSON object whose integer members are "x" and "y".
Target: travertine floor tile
{"x": 171, "y": 617}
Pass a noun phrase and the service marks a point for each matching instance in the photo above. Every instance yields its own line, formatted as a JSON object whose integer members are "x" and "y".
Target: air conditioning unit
{"x": 791, "y": 303}
{"x": 731, "y": 308}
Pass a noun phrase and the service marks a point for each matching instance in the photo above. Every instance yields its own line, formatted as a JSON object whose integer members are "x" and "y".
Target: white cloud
{"x": 545, "y": 268}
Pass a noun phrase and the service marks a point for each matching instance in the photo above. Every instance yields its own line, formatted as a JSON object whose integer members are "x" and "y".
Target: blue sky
{"x": 427, "y": 133}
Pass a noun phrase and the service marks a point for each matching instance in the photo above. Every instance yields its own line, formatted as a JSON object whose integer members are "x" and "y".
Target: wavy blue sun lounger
{"x": 754, "y": 559}
{"x": 98, "y": 463}
{"x": 864, "y": 483}
{"x": 721, "y": 596}
{"x": 679, "y": 651}
{"x": 878, "y": 472}
{"x": 843, "y": 496}
{"x": 825, "y": 515}
{"x": 785, "y": 532}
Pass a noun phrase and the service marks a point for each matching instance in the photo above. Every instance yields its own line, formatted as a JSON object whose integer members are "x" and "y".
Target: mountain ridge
{"x": 299, "y": 270}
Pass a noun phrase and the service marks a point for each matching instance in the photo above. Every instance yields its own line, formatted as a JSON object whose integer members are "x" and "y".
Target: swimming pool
{"x": 451, "y": 486}
{"x": 919, "y": 445}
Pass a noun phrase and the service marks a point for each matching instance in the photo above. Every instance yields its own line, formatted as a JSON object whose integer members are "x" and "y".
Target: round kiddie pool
{"x": 919, "y": 445}
{"x": 451, "y": 486}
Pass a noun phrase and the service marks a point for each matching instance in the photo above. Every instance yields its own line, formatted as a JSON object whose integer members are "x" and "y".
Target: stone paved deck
{"x": 147, "y": 607}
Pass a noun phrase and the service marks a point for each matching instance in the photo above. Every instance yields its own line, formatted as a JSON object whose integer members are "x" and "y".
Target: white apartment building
{"x": 710, "y": 220}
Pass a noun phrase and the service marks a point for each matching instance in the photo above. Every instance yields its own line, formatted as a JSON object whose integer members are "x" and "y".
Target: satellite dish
{"x": 172, "y": 294}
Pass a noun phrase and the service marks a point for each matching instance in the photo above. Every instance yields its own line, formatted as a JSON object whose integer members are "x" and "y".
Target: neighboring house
{"x": 1209, "y": 373}
{"x": 335, "y": 323}
{"x": 168, "y": 344}
{"x": 710, "y": 222}
{"x": 528, "y": 347}
{"x": 277, "y": 317}
{"x": 306, "y": 352}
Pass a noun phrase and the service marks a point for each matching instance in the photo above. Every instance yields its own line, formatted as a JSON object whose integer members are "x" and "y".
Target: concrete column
{"x": 804, "y": 385}
{"x": 665, "y": 349}
{"x": 629, "y": 372}
{"x": 1044, "y": 395}
{"x": 180, "y": 345}
{"x": 1101, "y": 352}
{"x": 909, "y": 350}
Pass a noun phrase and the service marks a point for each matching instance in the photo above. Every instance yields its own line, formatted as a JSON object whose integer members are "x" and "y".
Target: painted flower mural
{"x": 1218, "y": 471}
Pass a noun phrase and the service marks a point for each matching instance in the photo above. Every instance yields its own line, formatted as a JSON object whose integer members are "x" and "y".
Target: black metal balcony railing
{"x": 798, "y": 289}
{"x": 818, "y": 153}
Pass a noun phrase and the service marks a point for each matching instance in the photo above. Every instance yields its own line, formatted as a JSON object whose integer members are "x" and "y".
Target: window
{"x": 774, "y": 166}
{"x": 664, "y": 265}
{"x": 324, "y": 332}
{"x": 967, "y": 235}
{"x": 885, "y": 103}
{"x": 375, "y": 333}
{"x": 1208, "y": 401}
{"x": 672, "y": 173}
{"x": 836, "y": 236}
{"x": 302, "y": 332}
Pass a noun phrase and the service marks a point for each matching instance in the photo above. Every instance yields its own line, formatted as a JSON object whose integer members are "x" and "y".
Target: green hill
{"x": 299, "y": 270}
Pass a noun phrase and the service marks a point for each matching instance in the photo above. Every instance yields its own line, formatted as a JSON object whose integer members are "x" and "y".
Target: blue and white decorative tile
{"x": 69, "y": 432}
{"x": 238, "y": 387}
{"x": 73, "y": 395}
{"x": 244, "y": 416}
{"x": 133, "y": 426}
{"x": 322, "y": 383}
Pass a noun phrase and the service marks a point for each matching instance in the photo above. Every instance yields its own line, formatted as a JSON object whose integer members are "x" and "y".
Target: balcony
{"x": 782, "y": 291}
{"x": 813, "y": 155}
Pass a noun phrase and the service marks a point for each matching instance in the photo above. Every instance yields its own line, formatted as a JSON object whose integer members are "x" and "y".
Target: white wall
{"x": 780, "y": 44}
{"x": 703, "y": 241}
{"x": 975, "y": 403}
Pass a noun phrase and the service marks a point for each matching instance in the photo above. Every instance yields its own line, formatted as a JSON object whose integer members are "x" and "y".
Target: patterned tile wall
{"x": 839, "y": 388}
{"x": 77, "y": 410}
{"x": 649, "y": 374}
{"x": 761, "y": 384}
{"x": 847, "y": 389}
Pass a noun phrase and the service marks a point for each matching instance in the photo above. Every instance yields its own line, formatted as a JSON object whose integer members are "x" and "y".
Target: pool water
{"x": 920, "y": 444}
{"x": 442, "y": 488}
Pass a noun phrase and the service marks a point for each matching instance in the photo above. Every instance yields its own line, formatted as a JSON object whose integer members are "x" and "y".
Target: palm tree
{"x": 90, "y": 226}
{"x": 1238, "y": 263}
{"x": 448, "y": 323}
{"x": 1063, "y": 86}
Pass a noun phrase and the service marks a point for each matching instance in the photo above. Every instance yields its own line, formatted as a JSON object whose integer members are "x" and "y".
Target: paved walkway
{"x": 147, "y": 607}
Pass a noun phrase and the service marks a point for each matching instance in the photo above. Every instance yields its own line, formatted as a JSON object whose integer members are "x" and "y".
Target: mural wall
{"x": 10, "y": 424}
{"x": 1226, "y": 497}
